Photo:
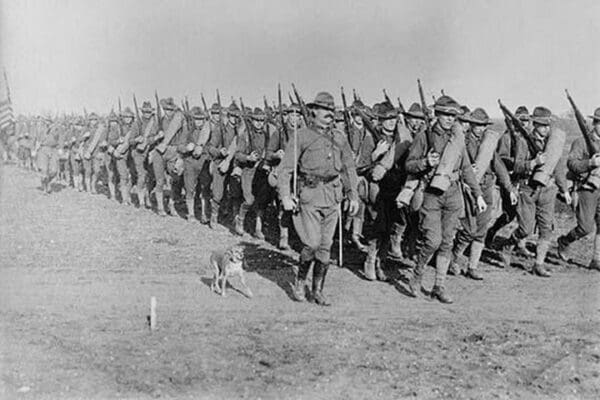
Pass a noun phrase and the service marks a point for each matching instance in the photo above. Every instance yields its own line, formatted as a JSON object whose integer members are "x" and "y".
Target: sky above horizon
{"x": 63, "y": 55}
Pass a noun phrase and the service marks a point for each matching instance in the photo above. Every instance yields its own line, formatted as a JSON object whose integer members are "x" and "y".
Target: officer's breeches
{"x": 159, "y": 168}
{"x": 316, "y": 227}
{"x": 536, "y": 207}
{"x": 587, "y": 213}
{"x": 196, "y": 172}
{"x": 139, "y": 159}
{"x": 475, "y": 229}
{"x": 48, "y": 161}
{"x": 123, "y": 170}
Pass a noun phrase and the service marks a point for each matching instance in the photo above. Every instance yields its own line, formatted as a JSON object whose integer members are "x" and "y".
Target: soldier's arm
{"x": 504, "y": 150}
{"x": 288, "y": 162}
{"x": 415, "y": 162}
{"x": 523, "y": 162}
{"x": 468, "y": 174}
{"x": 215, "y": 143}
{"x": 560, "y": 176}
{"x": 136, "y": 131}
{"x": 113, "y": 137}
{"x": 501, "y": 173}
{"x": 350, "y": 178}
{"x": 578, "y": 160}
{"x": 243, "y": 148}
{"x": 273, "y": 145}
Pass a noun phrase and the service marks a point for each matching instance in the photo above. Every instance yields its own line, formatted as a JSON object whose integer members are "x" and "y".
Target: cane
{"x": 340, "y": 242}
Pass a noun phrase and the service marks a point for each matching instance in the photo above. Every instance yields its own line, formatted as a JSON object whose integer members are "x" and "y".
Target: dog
{"x": 227, "y": 264}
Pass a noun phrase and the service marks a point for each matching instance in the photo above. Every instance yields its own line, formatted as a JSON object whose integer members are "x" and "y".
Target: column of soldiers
{"x": 427, "y": 178}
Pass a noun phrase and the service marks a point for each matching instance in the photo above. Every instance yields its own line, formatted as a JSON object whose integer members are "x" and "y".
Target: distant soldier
{"x": 166, "y": 158}
{"x": 128, "y": 131}
{"x": 440, "y": 158}
{"x": 94, "y": 152}
{"x": 141, "y": 144}
{"x": 481, "y": 144}
{"x": 250, "y": 157}
{"x": 507, "y": 149}
{"x": 64, "y": 169}
{"x": 196, "y": 170}
{"x": 325, "y": 170}
{"x": 221, "y": 147}
{"x": 48, "y": 154}
{"x": 538, "y": 176}
{"x": 113, "y": 139}
{"x": 78, "y": 137}
{"x": 586, "y": 168}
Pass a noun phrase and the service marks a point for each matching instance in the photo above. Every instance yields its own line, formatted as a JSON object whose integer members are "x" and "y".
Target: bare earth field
{"x": 78, "y": 271}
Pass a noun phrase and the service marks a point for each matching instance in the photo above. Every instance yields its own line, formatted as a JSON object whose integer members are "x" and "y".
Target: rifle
{"x": 119, "y": 119}
{"x": 346, "y": 117}
{"x": 425, "y": 113}
{"x": 386, "y": 97}
{"x": 402, "y": 110}
{"x": 266, "y": 106}
{"x": 302, "y": 105}
{"x": 518, "y": 126}
{"x": 354, "y": 95}
{"x": 582, "y": 126}
{"x": 249, "y": 127}
{"x": 158, "y": 116}
{"x": 204, "y": 103}
{"x": 282, "y": 120}
{"x": 291, "y": 99}
{"x": 137, "y": 111}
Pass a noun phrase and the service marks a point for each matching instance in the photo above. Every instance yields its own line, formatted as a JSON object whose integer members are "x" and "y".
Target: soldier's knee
{"x": 307, "y": 254}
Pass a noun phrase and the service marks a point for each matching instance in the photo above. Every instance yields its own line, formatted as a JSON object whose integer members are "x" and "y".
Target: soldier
{"x": 325, "y": 169}
{"x": 64, "y": 171}
{"x": 128, "y": 130}
{"x": 166, "y": 158}
{"x": 250, "y": 157}
{"x": 538, "y": 176}
{"x": 148, "y": 130}
{"x": 113, "y": 139}
{"x": 196, "y": 171}
{"x": 506, "y": 150}
{"x": 221, "y": 147}
{"x": 78, "y": 138}
{"x": 48, "y": 154}
{"x": 481, "y": 143}
{"x": 94, "y": 152}
{"x": 439, "y": 157}
{"x": 585, "y": 167}
{"x": 275, "y": 152}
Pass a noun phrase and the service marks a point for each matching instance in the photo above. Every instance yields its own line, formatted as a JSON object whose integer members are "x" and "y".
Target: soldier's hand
{"x": 288, "y": 203}
{"x": 197, "y": 151}
{"x": 190, "y": 147}
{"x": 382, "y": 147}
{"x": 224, "y": 151}
{"x": 514, "y": 198}
{"x": 253, "y": 156}
{"x": 378, "y": 172}
{"x": 433, "y": 158}
{"x": 595, "y": 160}
{"x": 139, "y": 139}
{"x": 481, "y": 204}
{"x": 567, "y": 197}
{"x": 540, "y": 159}
{"x": 352, "y": 207}
{"x": 159, "y": 135}
{"x": 279, "y": 154}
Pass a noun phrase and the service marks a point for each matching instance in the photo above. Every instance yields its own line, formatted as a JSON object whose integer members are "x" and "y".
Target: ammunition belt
{"x": 312, "y": 181}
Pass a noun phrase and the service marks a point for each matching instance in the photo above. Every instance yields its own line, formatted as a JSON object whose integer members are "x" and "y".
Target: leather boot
{"x": 414, "y": 284}
{"x": 125, "y": 194}
{"x": 500, "y": 223}
{"x": 299, "y": 286}
{"x": 506, "y": 252}
{"x": 203, "y": 217}
{"x": 160, "y": 203}
{"x": 214, "y": 214}
{"x": 457, "y": 257}
{"x": 395, "y": 252}
{"x": 522, "y": 247}
{"x": 541, "y": 251}
{"x": 258, "y": 233}
{"x": 370, "y": 260}
{"x": 189, "y": 204}
{"x": 564, "y": 242}
{"x": 357, "y": 227}
{"x": 441, "y": 268}
{"x": 319, "y": 273}
{"x": 144, "y": 198}
{"x": 111, "y": 190}
{"x": 240, "y": 218}
{"x": 476, "y": 250}
{"x": 93, "y": 184}
{"x": 381, "y": 276}
{"x": 283, "y": 238}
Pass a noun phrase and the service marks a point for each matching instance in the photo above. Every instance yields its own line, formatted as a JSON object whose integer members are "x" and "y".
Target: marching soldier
{"x": 481, "y": 144}
{"x": 113, "y": 139}
{"x": 128, "y": 130}
{"x": 325, "y": 169}
{"x": 166, "y": 158}
{"x": 75, "y": 154}
{"x": 506, "y": 150}
{"x": 585, "y": 167}
{"x": 196, "y": 171}
{"x": 92, "y": 153}
{"x": 142, "y": 143}
{"x": 47, "y": 156}
{"x": 439, "y": 157}
{"x": 538, "y": 176}
{"x": 221, "y": 147}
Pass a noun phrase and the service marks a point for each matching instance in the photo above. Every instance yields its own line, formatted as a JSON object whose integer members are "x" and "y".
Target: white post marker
{"x": 152, "y": 313}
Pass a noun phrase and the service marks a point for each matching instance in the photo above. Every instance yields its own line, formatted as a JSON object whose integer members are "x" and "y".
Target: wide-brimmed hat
{"x": 258, "y": 114}
{"x": 596, "y": 116}
{"x": 147, "y": 107}
{"x": 197, "y": 113}
{"x": 215, "y": 109}
{"x": 127, "y": 113}
{"x": 415, "y": 111}
{"x": 338, "y": 115}
{"x": 233, "y": 109}
{"x": 478, "y": 117}
{"x": 386, "y": 111}
{"x": 112, "y": 117}
{"x": 522, "y": 113}
{"x": 323, "y": 100}
{"x": 293, "y": 108}
{"x": 541, "y": 115}
{"x": 92, "y": 116}
{"x": 168, "y": 104}
{"x": 447, "y": 105}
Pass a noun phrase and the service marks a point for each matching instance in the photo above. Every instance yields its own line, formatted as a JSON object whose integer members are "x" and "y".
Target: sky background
{"x": 63, "y": 55}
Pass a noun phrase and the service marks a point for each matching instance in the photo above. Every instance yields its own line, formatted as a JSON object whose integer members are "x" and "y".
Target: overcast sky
{"x": 66, "y": 54}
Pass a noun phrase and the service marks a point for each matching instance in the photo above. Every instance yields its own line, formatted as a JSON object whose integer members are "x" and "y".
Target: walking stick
{"x": 295, "y": 181}
{"x": 340, "y": 243}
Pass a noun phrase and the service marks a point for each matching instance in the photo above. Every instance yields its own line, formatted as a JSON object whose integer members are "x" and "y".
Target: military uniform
{"x": 584, "y": 166}
{"x": 196, "y": 170}
{"x": 474, "y": 227}
{"x": 75, "y": 153}
{"x": 440, "y": 210}
{"x": 121, "y": 154}
{"x": 109, "y": 161}
{"x": 47, "y": 157}
{"x": 536, "y": 201}
{"x": 141, "y": 144}
{"x": 94, "y": 152}
{"x": 325, "y": 169}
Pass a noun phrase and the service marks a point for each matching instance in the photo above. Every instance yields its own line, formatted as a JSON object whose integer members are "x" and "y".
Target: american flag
{"x": 7, "y": 116}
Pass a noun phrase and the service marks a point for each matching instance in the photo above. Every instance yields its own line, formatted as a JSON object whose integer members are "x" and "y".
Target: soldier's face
{"x": 323, "y": 118}
{"x": 389, "y": 124}
{"x": 542, "y": 130}
{"x": 258, "y": 124}
{"x": 128, "y": 120}
{"x": 199, "y": 122}
{"x": 233, "y": 120}
{"x": 446, "y": 120}
{"x": 293, "y": 118}
{"x": 340, "y": 125}
{"x": 357, "y": 119}
{"x": 414, "y": 124}
{"x": 478, "y": 129}
{"x": 94, "y": 122}
{"x": 526, "y": 123}
{"x": 146, "y": 115}
{"x": 169, "y": 113}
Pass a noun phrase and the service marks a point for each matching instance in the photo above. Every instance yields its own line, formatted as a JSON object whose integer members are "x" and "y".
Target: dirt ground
{"x": 78, "y": 272}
